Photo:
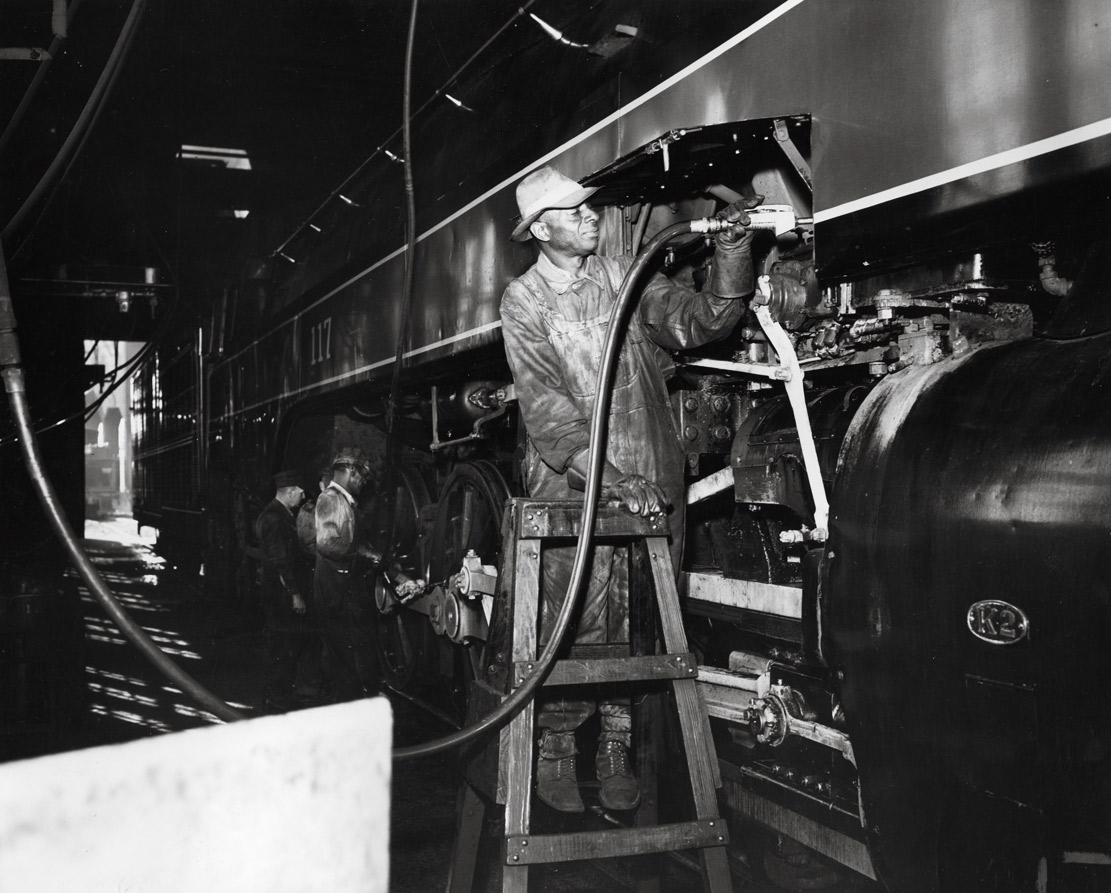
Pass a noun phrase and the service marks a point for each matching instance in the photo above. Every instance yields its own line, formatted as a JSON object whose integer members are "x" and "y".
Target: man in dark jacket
{"x": 555, "y": 318}
{"x": 283, "y": 596}
{"x": 345, "y": 606}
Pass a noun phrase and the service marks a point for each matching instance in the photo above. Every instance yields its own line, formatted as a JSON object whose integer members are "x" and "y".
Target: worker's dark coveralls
{"x": 276, "y": 532}
{"x": 554, "y": 327}
{"x": 344, "y": 606}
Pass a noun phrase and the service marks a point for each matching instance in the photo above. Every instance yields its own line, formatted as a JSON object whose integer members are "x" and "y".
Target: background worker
{"x": 555, "y": 318}
{"x": 344, "y": 605}
{"x": 306, "y": 517}
{"x": 283, "y": 592}
{"x": 308, "y": 685}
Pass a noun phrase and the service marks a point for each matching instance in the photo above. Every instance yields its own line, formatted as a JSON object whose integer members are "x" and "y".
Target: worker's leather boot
{"x": 619, "y": 786}
{"x": 556, "y": 783}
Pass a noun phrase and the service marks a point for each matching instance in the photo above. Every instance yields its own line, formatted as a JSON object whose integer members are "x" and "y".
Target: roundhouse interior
{"x": 240, "y": 237}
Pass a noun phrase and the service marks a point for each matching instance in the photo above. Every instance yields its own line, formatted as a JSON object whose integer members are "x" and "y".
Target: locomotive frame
{"x": 930, "y": 146}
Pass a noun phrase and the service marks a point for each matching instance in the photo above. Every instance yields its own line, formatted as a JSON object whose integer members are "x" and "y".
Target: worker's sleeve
{"x": 678, "y": 318}
{"x": 274, "y": 547}
{"x": 334, "y": 527}
{"x": 557, "y": 427}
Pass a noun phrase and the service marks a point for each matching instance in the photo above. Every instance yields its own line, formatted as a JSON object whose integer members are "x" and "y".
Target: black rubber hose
{"x": 598, "y": 424}
{"x": 12, "y": 372}
{"x": 410, "y": 240}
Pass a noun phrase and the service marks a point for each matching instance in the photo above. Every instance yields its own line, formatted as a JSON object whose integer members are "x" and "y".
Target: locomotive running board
{"x": 748, "y": 595}
{"x": 841, "y": 846}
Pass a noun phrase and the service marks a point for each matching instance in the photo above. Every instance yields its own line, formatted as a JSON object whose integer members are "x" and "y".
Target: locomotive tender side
{"x": 854, "y": 679}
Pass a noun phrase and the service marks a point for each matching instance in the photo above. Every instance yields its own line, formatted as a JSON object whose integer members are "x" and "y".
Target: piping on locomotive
{"x": 898, "y": 687}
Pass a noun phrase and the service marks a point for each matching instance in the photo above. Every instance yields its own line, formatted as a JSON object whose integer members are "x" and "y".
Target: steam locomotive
{"x": 900, "y": 594}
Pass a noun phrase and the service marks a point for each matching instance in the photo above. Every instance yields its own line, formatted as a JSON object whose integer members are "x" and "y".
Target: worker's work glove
{"x": 731, "y": 275}
{"x": 373, "y": 556}
{"x": 299, "y": 606}
{"x": 638, "y": 494}
{"x": 737, "y": 237}
{"x": 407, "y": 589}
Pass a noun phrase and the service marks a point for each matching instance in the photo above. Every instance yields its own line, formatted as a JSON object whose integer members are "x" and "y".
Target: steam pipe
{"x": 591, "y": 494}
{"x": 12, "y": 372}
{"x": 1051, "y": 280}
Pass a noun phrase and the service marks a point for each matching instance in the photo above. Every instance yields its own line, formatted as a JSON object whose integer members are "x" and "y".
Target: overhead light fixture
{"x": 555, "y": 33}
{"x": 390, "y": 155}
{"x": 347, "y": 201}
{"x": 233, "y": 159}
{"x": 457, "y": 103}
{"x": 287, "y": 257}
{"x": 315, "y": 228}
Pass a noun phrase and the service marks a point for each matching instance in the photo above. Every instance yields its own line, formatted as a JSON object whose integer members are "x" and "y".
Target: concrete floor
{"x": 220, "y": 643}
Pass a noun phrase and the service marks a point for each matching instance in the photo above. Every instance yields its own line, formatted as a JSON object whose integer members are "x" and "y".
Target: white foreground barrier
{"x": 299, "y": 802}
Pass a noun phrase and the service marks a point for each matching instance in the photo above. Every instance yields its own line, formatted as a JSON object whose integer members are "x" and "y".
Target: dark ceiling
{"x": 308, "y": 88}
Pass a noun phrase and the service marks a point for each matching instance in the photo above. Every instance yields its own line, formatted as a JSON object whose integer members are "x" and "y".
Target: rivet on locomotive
{"x": 898, "y": 581}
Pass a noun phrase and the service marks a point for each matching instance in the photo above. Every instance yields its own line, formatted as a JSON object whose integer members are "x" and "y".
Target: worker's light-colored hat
{"x": 543, "y": 190}
{"x": 351, "y": 457}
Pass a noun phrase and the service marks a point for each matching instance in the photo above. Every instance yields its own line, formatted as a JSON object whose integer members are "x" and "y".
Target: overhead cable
{"x": 337, "y": 192}
{"x": 83, "y": 125}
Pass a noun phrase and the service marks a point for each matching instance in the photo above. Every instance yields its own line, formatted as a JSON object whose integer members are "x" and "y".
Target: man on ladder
{"x": 554, "y": 321}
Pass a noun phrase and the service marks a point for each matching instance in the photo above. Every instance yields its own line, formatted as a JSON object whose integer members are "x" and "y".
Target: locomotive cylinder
{"x": 981, "y": 478}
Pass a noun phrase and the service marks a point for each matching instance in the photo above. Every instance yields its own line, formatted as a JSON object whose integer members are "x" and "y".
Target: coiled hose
{"x": 598, "y": 422}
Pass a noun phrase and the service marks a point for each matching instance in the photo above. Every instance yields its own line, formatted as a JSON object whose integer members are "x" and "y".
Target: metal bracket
{"x": 785, "y": 350}
{"x": 790, "y": 373}
{"x": 476, "y": 429}
{"x": 783, "y": 140}
{"x": 24, "y": 54}
{"x": 765, "y": 370}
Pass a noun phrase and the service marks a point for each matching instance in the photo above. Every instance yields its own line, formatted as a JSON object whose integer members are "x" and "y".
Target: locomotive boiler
{"x": 896, "y": 573}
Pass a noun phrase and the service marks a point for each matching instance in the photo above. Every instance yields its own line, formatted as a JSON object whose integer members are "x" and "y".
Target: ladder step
{"x": 613, "y": 669}
{"x": 561, "y": 519}
{"x": 543, "y": 848}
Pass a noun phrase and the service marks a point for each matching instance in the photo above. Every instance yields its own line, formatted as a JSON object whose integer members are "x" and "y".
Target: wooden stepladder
{"x": 528, "y": 526}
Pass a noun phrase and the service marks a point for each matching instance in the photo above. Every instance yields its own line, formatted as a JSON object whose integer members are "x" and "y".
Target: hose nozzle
{"x": 777, "y": 219}
{"x": 709, "y": 225}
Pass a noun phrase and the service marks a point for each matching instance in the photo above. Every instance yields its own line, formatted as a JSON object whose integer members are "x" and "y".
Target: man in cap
{"x": 555, "y": 318}
{"x": 344, "y": 607}
{"x": 283, "y": 596}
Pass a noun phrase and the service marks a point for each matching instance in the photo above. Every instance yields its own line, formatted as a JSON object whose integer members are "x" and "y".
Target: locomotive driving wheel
{"x": 395, "y": 529}
{"x": 468, "y": 517}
